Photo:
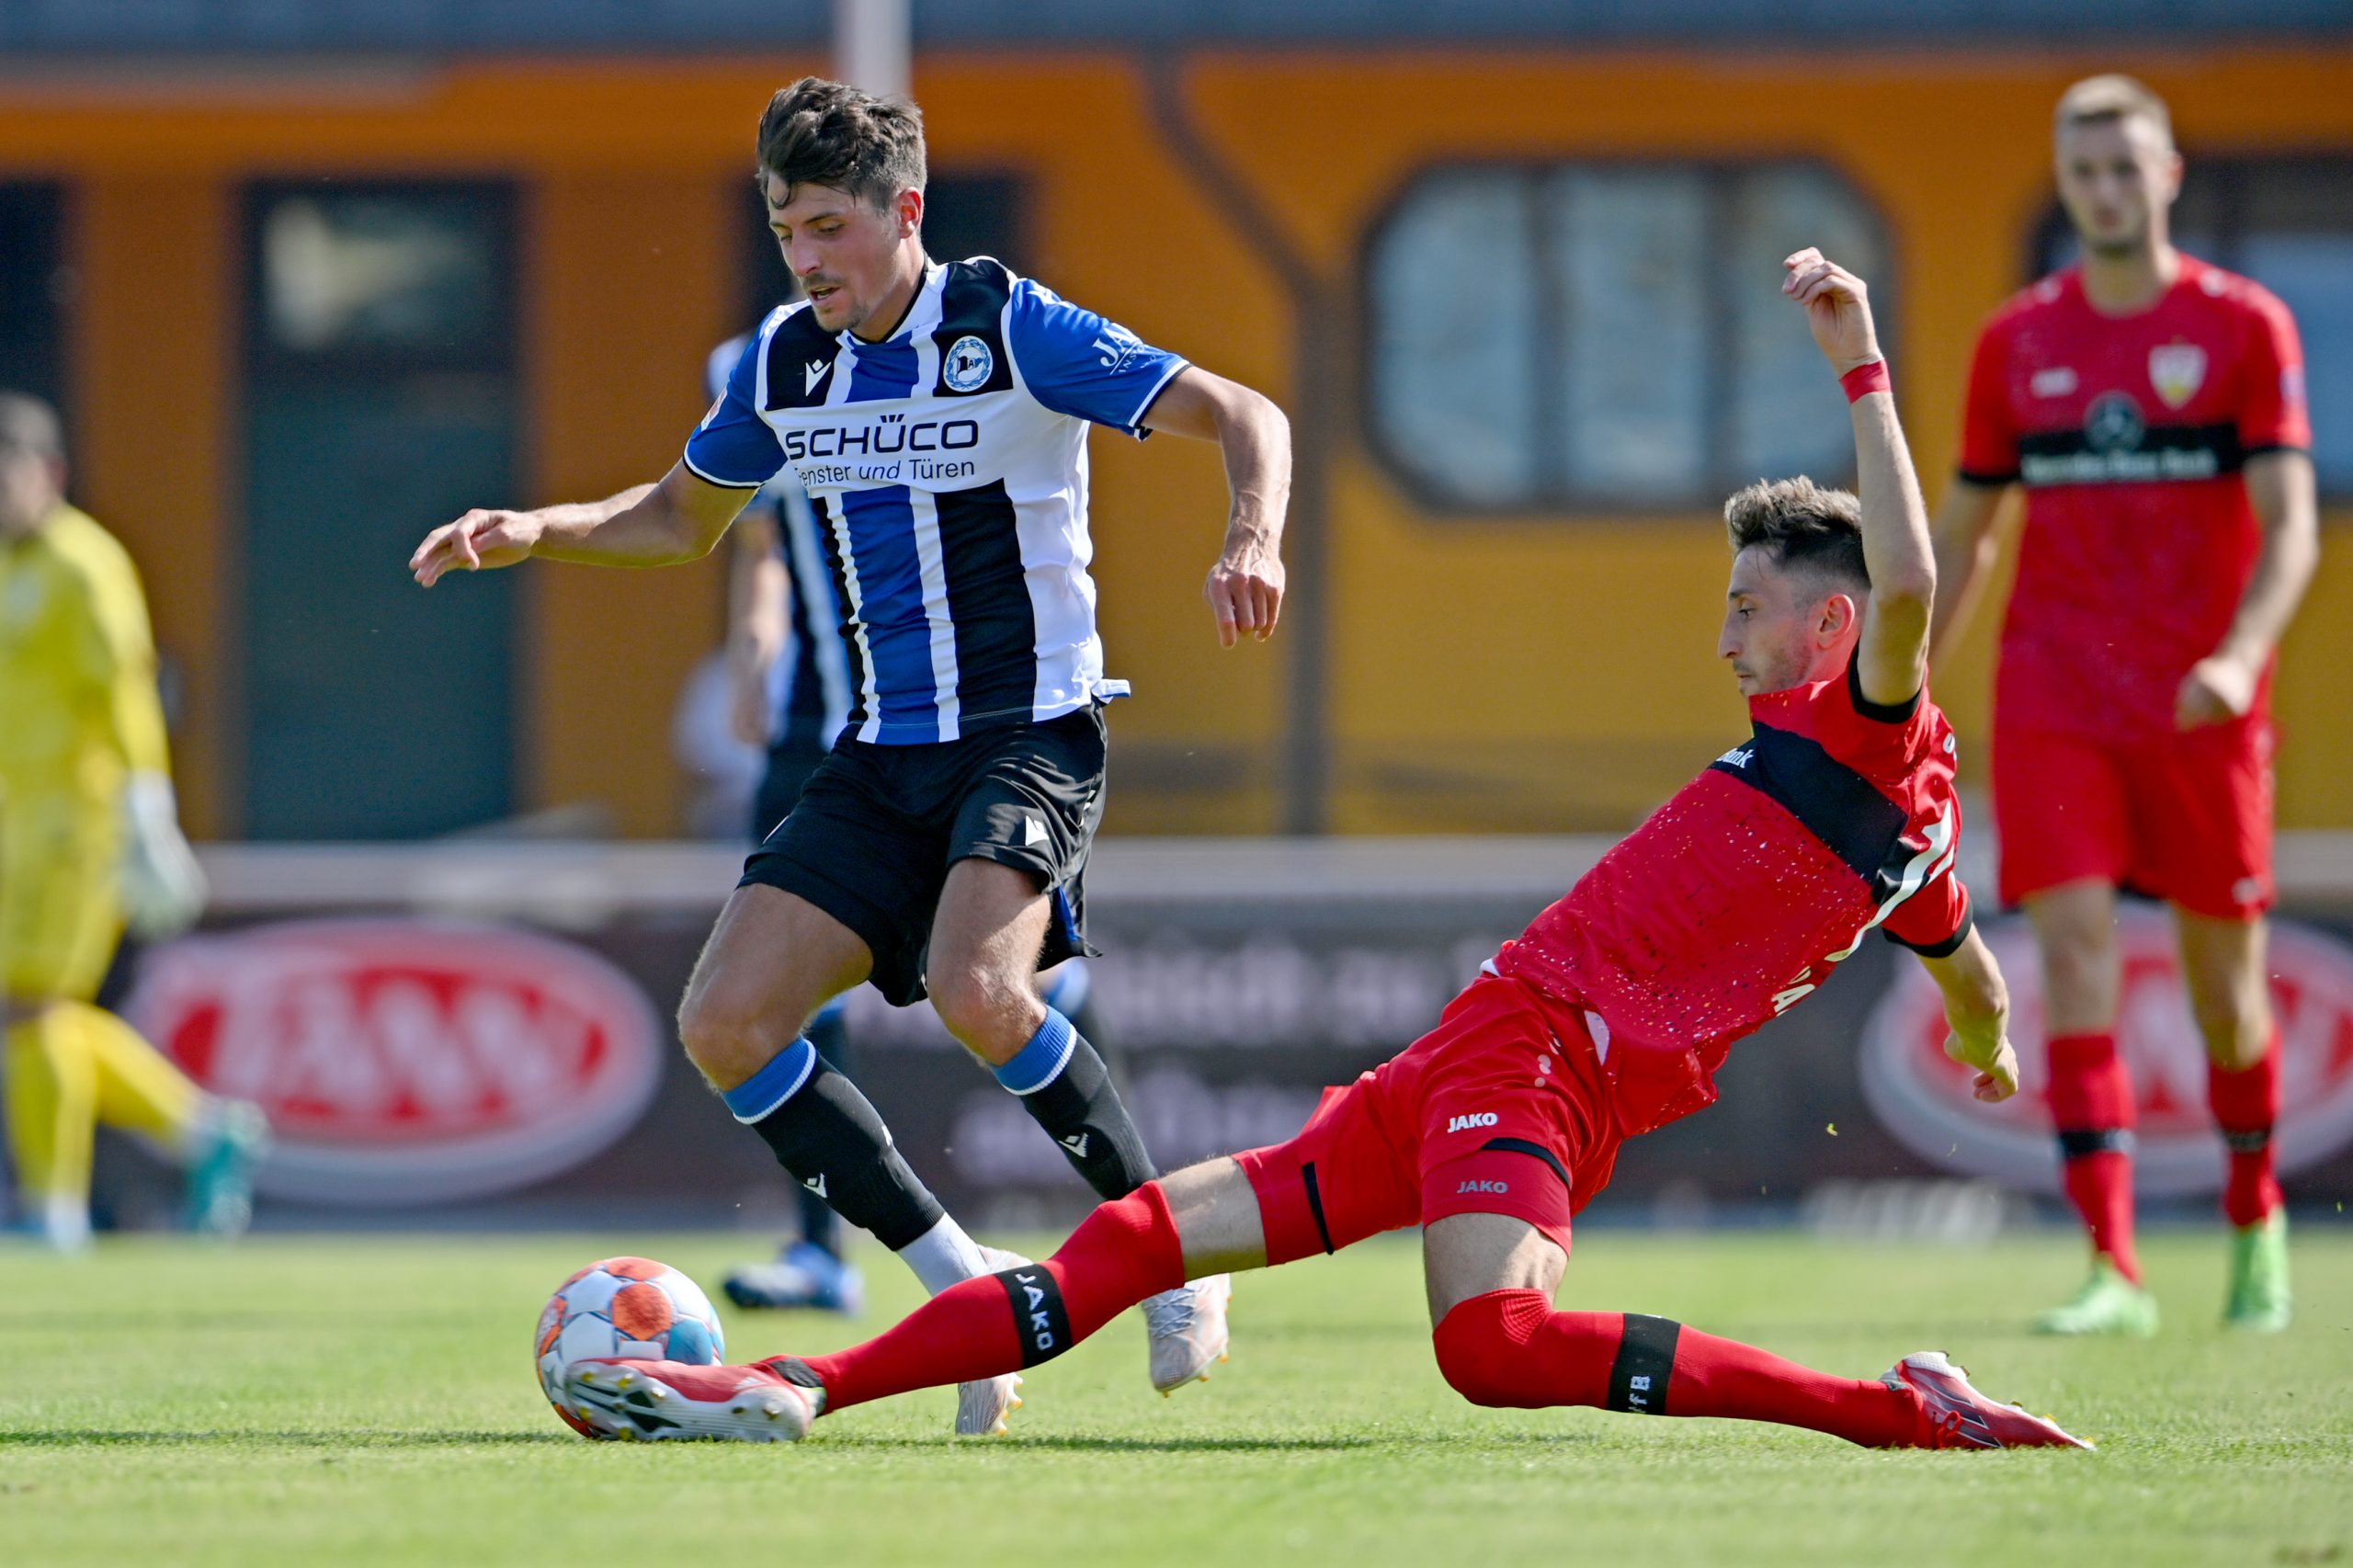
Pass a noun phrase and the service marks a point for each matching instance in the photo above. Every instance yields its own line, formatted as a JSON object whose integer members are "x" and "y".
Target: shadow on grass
{"x": 1210, "y": 1443}
{"x": 68, "y": 1436}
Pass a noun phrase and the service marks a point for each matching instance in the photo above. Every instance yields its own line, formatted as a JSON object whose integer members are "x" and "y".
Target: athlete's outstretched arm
{"x": 2221, "y": 686}
{"x": 1977, "y": 1005}
{"x": 1966, "y": 546}
{"x": 1892, "y": 655}
{"x": 648, "y": 525}
{"x": 1245, "y": 587}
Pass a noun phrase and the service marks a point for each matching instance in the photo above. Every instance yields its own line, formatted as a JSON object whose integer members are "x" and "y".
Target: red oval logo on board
{"x": 1922, "y": 1097}
{"x": 407, "y": 1062}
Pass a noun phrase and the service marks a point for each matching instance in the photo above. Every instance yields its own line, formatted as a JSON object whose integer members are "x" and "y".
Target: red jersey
{"x": 2129, "y": 432}
{"x": 1731, "y": 903}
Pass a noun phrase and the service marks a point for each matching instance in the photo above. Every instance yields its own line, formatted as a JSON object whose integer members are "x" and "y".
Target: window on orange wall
{"x": 1606, "y": 336}
{"x": 36, "y": 290}
{"x": 2288, "y": 223}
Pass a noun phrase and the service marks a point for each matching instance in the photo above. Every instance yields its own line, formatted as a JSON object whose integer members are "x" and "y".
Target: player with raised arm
{"x": 937, "y": 413}
{"x": 2152, "y": 408}
{"x": 1607, "y": 1019}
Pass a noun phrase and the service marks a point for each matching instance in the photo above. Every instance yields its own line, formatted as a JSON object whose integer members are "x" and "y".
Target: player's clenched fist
{"x": 1996, "y": 1064}
{"x": 1246, "y": 591}
{"x": 479, "y": 542}
{"x": 1837, "y": 307}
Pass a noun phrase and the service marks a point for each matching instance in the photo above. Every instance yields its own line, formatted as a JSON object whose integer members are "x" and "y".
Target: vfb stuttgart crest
{"x": 967, "y": 365}
{"x": 2176, "y": 370}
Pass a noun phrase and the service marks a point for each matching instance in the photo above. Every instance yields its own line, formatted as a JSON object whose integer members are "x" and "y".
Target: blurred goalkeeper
{"x": 1607, "y": 1017}
{"x": 89, "y": 841}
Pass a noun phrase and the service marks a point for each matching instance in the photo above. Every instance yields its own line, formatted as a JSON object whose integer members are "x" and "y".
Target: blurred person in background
{"x": 89, "y": 839}
{"x": 2152, "y": 408}
{"x": 789, "y": 683}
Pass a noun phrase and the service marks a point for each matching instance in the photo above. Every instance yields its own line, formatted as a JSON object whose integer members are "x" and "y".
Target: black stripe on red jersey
{"x": 2121, "y": 451}
{"x": 1943, "y": 950}
{"x": 1315, "y": 1203}
{"x": 1885, "y": 713}
{"x": 1830, "y": 799}
{"x": 1534, "y": 1151}
{"x": 1645, "y": 1363}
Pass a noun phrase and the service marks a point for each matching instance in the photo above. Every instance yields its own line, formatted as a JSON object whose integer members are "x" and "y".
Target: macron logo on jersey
{"x": 812, "y": 373}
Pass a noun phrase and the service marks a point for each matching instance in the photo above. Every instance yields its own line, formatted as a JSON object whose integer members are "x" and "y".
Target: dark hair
{"x": 28, "y": 425}
{"x": 1802, "y": 526}
{"x": 830, "y": 133}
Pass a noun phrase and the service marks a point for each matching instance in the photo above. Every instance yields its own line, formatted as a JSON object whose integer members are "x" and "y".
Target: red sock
{"x": 2246, "y": 1103}
{"x": 2091, "y": 1102}
{"x": 1002, "y": 1322}
{"x": 1511, "y": 1349}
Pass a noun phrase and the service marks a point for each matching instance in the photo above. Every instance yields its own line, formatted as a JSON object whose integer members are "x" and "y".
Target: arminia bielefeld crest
{"x": 2176, "y": 370}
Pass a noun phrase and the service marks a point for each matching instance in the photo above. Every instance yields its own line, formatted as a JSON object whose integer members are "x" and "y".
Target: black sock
{"x": 1064, "y": 1084}
{"x": 820, "y": 1226}
{"x": 831, "y": 1141}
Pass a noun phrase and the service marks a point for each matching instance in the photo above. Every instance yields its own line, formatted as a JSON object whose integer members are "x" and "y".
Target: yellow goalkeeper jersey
{"x": 78, "y": 710}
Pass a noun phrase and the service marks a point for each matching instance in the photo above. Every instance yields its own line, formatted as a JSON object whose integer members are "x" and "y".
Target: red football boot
{"x": 1955, "y": 1416}
{"x": 653, "y": 1401}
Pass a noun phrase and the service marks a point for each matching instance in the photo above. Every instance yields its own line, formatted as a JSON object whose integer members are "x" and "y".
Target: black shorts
{"x": 791, "y": 760}
{"x": 877, "y": 828}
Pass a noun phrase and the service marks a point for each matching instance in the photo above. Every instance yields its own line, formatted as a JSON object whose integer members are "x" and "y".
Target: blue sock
{"x": 773, "y": 1085}
{"x": 1040, "y": 1061}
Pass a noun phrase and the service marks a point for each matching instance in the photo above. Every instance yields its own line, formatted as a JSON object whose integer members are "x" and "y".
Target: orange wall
{"x": 1586, "y": 640}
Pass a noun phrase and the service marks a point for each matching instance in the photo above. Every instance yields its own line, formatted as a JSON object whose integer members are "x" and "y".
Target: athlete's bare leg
{"x": 2223, "y": 966}
{"x": 984, "y": 961}
{"x": 2074, "y": 927}
{"x": 1469, "y": 1255}
{"x": 771, "y": 962}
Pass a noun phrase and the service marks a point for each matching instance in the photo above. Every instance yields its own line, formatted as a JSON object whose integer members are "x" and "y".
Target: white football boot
{"x": 1187, "y": 1331}
{"x": 673, "y": 1401}
{"x": 981, "y": 1407}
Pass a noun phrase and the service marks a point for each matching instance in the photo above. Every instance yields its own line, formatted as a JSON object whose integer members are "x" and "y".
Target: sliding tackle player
{"x": 1607, "y": 1019}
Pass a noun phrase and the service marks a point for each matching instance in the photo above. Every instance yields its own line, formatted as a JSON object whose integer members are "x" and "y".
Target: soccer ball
{"x": 630, "y": 1307}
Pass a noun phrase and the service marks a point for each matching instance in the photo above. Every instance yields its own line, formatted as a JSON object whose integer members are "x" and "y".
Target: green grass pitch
{"x": 366, "y": 1401}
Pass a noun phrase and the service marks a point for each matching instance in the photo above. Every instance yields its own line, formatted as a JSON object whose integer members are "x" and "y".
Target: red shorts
{"x": 2186, "y": 818}
{"x": 1501, "y": 1109}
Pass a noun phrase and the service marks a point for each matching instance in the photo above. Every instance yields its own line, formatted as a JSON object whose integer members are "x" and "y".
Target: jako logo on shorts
{"x": 1924, "y": 1098}
{"x": 1479, "y": 1119}
{"x": 407, "y": 1062}
{"x": 1484, "y": 1187}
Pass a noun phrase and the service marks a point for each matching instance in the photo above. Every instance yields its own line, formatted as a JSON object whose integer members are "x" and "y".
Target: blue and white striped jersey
{"x": 948, "y": 464}
{"x": 810, "y": 686}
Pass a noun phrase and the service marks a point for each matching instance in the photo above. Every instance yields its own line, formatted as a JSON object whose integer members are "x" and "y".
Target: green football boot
{"x": 2259, "y": 1302}
{"x": 232, "y": 1140}
{"x": 2109, "y": 1303}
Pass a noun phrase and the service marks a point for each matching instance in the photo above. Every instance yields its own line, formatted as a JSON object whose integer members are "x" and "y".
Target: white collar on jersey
{"x": 922, "y": 312}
